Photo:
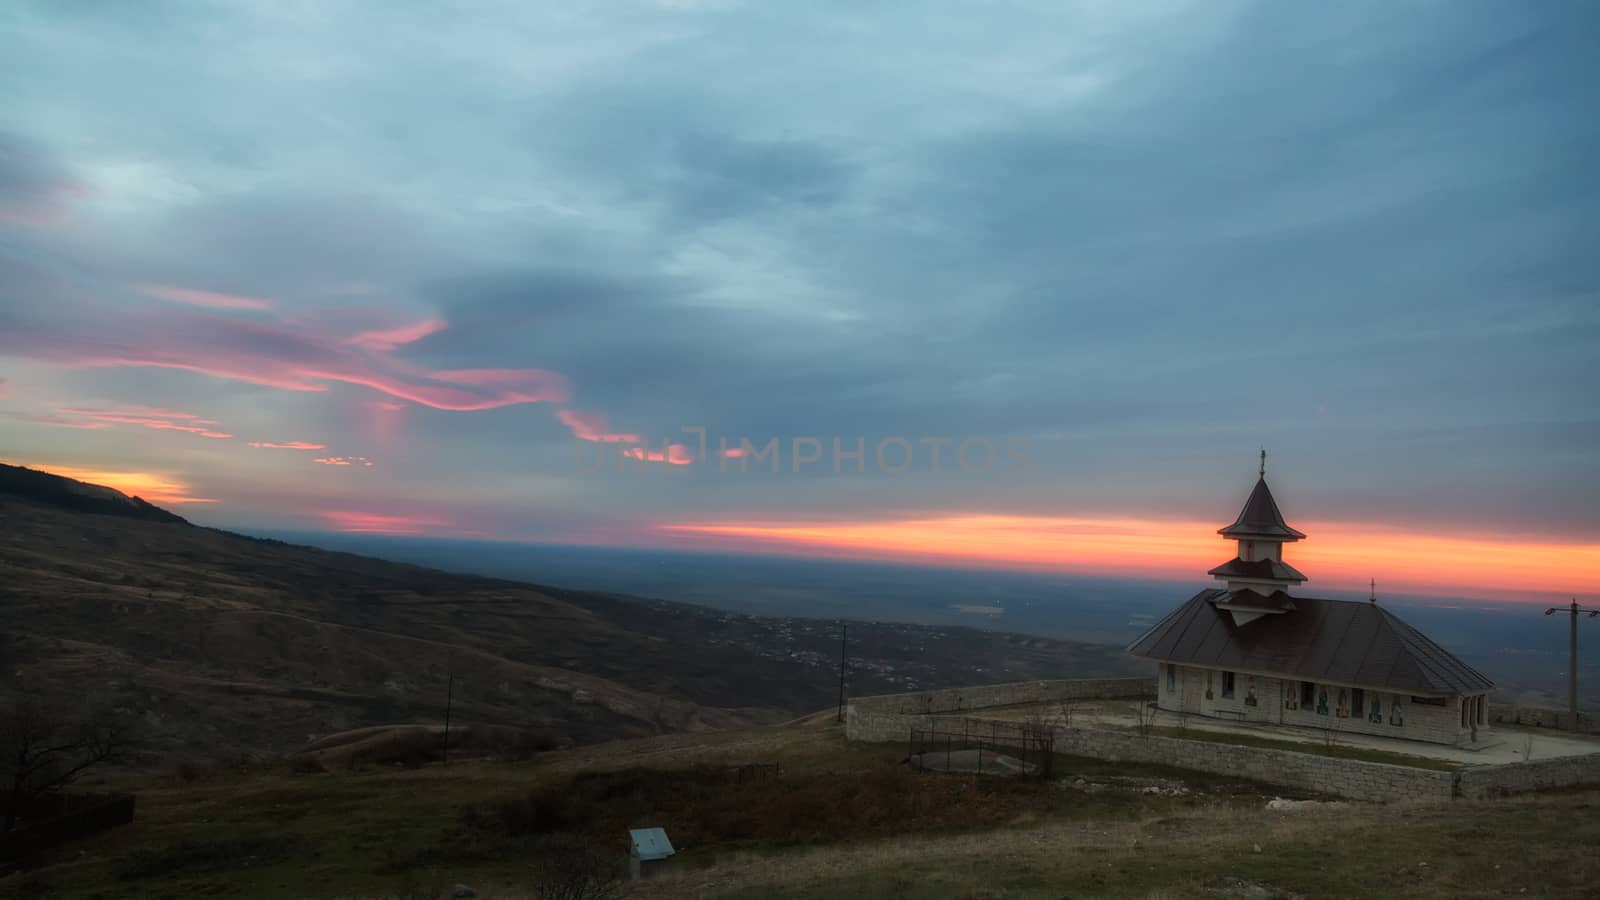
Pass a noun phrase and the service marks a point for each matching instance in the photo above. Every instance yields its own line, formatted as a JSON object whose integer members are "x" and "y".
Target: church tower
{"x": 1258, "y": 579}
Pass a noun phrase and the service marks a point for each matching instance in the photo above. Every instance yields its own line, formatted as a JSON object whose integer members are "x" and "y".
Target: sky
{"x": 522, "y": 271}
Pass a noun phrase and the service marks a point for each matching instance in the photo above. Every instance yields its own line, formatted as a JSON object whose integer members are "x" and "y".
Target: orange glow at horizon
{"x": 376, "y": 523}
{"x": 152, "y": 487}
{"x": 1340, "y": 554}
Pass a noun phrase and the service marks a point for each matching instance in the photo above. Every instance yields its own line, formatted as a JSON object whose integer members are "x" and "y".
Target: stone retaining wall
{"x": 1349, "y": 778}
{"x": 891, "y": 718}
{"x": 1480, "y": 782}
{"x": 1544, "y": 717}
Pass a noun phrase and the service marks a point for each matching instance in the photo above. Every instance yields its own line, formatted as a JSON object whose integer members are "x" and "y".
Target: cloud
{"x": 203, "y": 298}
{"x": 62, "y": 421}
{"x": 34, "y": 191}
{"x": 273, "y": 353}
{"x": 388, "y": 339}
{"x": 377, "y": 523}
{"x": 1150, "y": 237}
{"x": 146, "y": 417}
{"x": 361, "y": 461}
{"x": 590, "y": 426}
{"x": 675, "y": 454}
{"x": 288, "y": 445}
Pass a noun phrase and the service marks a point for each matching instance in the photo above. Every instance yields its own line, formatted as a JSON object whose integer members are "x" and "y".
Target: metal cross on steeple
{"x": 1263, "y": 471}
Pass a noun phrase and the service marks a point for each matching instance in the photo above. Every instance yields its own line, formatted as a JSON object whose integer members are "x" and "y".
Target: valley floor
{"x": 840, "y": 821}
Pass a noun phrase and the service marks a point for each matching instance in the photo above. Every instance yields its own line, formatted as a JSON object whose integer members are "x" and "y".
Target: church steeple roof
{"x": 1260, "y": 518}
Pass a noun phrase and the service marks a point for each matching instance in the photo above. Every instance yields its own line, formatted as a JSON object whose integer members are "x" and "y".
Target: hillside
{"x": 218, "y": 644}
{"x": 837, "y": 820}
{"x": 59, "y": 491}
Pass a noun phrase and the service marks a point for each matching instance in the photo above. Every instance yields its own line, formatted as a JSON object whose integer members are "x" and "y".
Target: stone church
{"x": 1254, "y": 652}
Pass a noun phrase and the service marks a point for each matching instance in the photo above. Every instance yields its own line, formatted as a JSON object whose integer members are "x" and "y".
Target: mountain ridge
{"x": 69, "y": 493}
{"x": 220, "y": 644}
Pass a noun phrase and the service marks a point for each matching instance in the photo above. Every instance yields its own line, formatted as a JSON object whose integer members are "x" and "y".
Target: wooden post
{"x": 1572, "y": 658}
{"x": 1572, "y": 671}
{"x": 844, "y": 639}
{"x": 449, "y": 697}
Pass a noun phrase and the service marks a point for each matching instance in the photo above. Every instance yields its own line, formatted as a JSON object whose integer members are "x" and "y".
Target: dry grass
{"x": 391, "y": 832}
{"x": 1530, "y": 845}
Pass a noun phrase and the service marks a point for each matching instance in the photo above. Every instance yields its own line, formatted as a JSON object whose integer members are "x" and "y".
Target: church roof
{"x": 1264, "y": 569}
{"x": 1339, "y": 641}
{"x": 1245, "y": 598}
{"x": 1261, "y": 518}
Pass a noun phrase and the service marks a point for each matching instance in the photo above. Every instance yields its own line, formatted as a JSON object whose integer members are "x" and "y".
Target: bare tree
{"x": 41, "y": 754}
{"x": 1145, "y": 710}
{"x": 1064, "y": 713}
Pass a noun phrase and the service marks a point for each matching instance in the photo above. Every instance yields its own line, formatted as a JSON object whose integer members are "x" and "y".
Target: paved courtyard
{"x": 1497, "y": 744}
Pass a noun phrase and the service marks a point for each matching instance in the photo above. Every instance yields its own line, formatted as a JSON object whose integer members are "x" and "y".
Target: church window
{"x": 1357, "y": 699}
{"x": 1172, "y": 678}
{"x": 1227, "y": 685}
{"x": 1308, "y": 694}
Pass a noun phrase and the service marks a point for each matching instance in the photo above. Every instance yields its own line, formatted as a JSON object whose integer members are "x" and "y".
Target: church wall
{"x": 1412, "y": 721}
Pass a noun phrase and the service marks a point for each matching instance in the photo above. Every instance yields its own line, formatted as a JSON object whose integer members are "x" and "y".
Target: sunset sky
{"x": 413, "y": 269}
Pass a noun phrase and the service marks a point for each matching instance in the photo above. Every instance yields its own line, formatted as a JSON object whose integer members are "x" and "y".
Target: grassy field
{"x": 840, "y": 821}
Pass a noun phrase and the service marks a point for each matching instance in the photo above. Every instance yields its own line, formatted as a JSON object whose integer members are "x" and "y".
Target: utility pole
{"x": 844, "y": 638}
{"x": 1572, "y": 664}
{"x": 449, "y": 697}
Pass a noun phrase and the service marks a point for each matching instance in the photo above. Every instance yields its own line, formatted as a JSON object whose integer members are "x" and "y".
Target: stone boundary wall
{"x": 1482, "y": 782}
{"x": 1349, "y": 778}
{"x": 966, "y": 699}
{"x": 1352, "y": 779}
{"x": 1543, "y": 717}
{"x": 891, "y": 718}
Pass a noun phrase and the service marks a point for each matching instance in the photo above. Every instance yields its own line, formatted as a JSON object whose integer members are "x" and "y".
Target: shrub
{"x": 539, "y": 812}
{"x": 224, "y": 853}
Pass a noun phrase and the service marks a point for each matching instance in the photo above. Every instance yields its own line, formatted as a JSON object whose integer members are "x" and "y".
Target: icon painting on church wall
{"x": 1376, "y": 716}
{"x": 1250, "y": 692}
{"x": 1344, "y": 703}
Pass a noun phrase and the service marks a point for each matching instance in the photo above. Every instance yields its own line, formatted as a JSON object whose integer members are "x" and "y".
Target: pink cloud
{"x": 61, "y": 422}
{"x": 676, "y": 454}
{"x": 5, "y": 389}
{"x": 135, "y": 409}
{"x": 390, "y": 338}
{"x": 374, "y": 523}
{"x": 733, "y": 452}
{"x": 277, "y": 354}
{"x": 211, "y": 299}
{"x": 344, "y": 461}
{"x": 47, "y": 206}
{"x": 288, "y": 445}
{"x": 591, "y": 426}
{"x": 147, "y": 417}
